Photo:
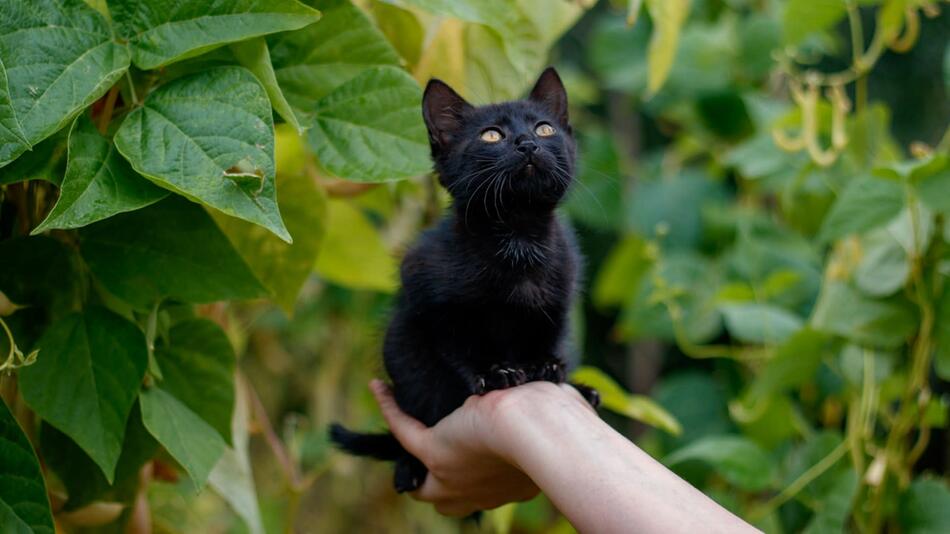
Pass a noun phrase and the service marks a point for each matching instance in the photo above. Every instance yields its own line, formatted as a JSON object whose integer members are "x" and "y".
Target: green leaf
{"x": 736, "y": 459}
{"x": 760, "y": 323}
{"x": 84, "y": 382}
{"x": 879, "y": 323}
{"x": 142, "y": 257}
{"x": 283, "y": 268}
{"x": 494, "y": 63}
{"x": 159, "y": 33}
{"x": 402, "y": 29}
{"x": 668, "y": 17}
{"x": 622, "y": 271}
{"x": 487, "y": 12}
{"x": 191, "y": 441}
{"x": 697, "y": 402}
{"x": 834, "y": 507}
{"x": 615, "y": 399}
{"x": 46, "y": 161}
{"x": 24, "y": 506}
{"x": 934, "y": 191}
{"x": 353, "y": 253}
{"x": 865, "y": 203}
{"x": 884, "y": 265}
{"x": 197, "y": 364}
{"x": 925, "y": 507}
{"x": 232, "y": 477}
{"x": 369, "y": 129}
{"x": 58, "y": 57}
{"x": 81, "y": 476}
{"x": 254, "y": 55}
{"x": 98, "y": 182}
{"x": 312, "y": 62}
{"x": 805, "y": 17}
{"x": 210, "y": 137}
{"x": 794, "y": 363}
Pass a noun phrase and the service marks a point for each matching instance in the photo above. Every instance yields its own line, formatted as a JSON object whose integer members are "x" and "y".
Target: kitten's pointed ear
{"x": 549, "y": 92}
{"x": 442, "y": 110}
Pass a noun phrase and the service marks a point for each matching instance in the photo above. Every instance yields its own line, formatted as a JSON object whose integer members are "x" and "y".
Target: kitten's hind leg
{"x": 591, "y": 395}
{"x": 410, "y": 473}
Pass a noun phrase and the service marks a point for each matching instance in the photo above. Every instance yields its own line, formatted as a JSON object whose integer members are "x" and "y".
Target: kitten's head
{"x": 502, "y": 157}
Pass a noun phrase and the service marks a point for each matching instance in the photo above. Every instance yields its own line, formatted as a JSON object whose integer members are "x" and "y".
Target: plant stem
{"x": 107, "y": 109}
{"x": 806, "y": 478}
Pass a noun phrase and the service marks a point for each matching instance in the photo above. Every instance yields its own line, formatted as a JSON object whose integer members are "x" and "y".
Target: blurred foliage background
{"x": 763, "y": 201}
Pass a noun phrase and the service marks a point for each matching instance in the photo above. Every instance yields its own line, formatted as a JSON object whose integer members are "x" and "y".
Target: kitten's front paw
{"x": 499, "y": 377}
{"x": 550, "y": 371}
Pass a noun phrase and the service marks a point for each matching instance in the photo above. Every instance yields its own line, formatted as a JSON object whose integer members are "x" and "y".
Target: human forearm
{"x": 600, "y": 480}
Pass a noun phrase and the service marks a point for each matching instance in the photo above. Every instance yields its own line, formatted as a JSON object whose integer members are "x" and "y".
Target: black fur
{"x": 486, "y": 292}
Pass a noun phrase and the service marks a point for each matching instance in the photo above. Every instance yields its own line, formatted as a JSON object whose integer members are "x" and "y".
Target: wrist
{"x": 537, "y": 420}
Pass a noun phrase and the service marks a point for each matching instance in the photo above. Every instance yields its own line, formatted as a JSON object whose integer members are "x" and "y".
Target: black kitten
{"x": 486, "y": 293}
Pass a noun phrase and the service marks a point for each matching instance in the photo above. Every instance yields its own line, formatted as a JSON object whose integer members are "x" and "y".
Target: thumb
{"x": 411, "y": 433}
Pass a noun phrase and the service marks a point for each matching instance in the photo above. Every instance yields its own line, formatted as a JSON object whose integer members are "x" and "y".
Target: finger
{"x": 432, "y": 490}
{"x": 410, "y": 432}
{"x": 455, "y": 508}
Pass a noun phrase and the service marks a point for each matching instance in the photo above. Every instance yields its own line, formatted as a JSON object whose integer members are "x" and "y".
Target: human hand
{"x": 471, "y": 453}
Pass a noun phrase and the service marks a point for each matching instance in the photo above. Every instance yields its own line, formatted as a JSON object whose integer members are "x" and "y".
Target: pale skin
{"x": 509, "y": 445}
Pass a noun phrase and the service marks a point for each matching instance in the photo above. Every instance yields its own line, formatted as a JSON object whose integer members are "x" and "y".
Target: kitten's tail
{"x": 382, "y": 446}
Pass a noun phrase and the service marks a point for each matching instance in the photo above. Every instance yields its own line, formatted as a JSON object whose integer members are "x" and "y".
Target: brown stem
{"x": 106, "y": 116}
{"x": 259, "y": 413}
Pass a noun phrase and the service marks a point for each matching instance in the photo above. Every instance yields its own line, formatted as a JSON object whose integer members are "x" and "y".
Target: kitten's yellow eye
{"x": 545, "y": 130}
{"x": 491, "y": 135}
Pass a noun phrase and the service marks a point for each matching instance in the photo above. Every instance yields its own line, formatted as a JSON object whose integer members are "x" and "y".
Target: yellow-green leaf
{"x": 353, "y": 253}
{"x": 615, "y": 399}
{"x": 668, "y": 18}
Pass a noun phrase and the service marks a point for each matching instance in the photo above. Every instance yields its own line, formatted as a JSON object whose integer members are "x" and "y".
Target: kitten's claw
{"x": 500, "y": 377}
{"x": 550, "y": 371}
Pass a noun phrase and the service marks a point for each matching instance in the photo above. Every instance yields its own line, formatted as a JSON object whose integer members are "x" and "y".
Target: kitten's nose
{"x": 526, "y": 146}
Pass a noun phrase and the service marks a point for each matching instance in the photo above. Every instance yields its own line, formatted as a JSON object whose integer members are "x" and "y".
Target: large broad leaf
{"x": 58, "y": 57}
{"x": 737, "y": 459}
{"x": 185, "y": 435}
{"x": 160, "y": 32}
{"x": 488, "y": 12}
{"x": 668, "y": 18}
{"x": 934, "y": 191}
{"x": 98, "y": 182}
{"x": 834, "y": 507}
{"x": 210, "y": 137}
{"x": 43, "y": 162}
{"x": 369, "y": 129}
{"x": 760, "y": 323}
{"x": 24, "y": 506}
{"x": 197, "y": 367}
{"x": 866, "y": 202}
{"x": 844, "y": 311}
{"x": 283, "y": 268}
{"x": 255, "y": 56}
{"x": 615, "y": 399}
{"x": 90, "y": 367}
{"x": 311, "y": 62}
{"x": 232, "y": 477}
{"x": 925, "y": 508}
{"x": 81, "y": 476}
{"x": 497, "y": 62}
{"x": 353, "y": 253}
{"x": 171, "y": 249}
